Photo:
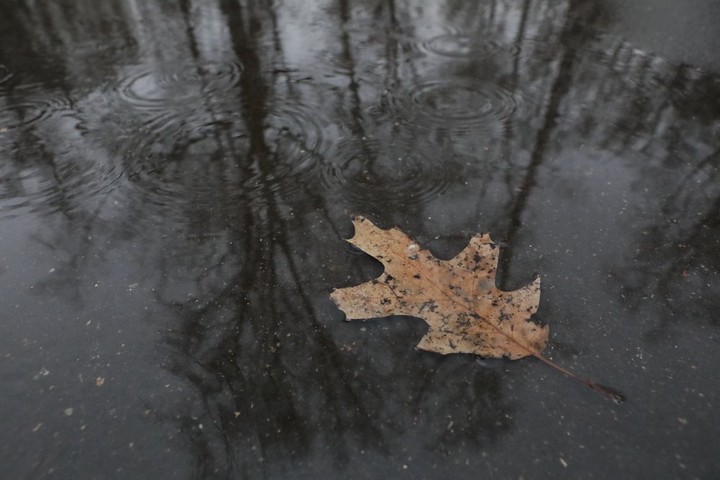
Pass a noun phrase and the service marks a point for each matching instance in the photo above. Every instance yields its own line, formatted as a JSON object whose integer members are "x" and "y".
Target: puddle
{"x": 177, "y": 182}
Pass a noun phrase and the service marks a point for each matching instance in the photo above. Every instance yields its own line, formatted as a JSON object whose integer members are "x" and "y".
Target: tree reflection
{"x": 234, "y": 195}
{"x": 676, "y": 261}
{"x": 273, "y": 379}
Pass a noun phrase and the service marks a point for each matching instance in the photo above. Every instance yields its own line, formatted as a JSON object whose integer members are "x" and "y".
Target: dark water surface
{"x": 176, "y": 179}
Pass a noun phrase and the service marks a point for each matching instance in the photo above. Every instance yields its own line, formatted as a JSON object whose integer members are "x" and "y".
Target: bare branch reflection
{"x": 218, "y": 147}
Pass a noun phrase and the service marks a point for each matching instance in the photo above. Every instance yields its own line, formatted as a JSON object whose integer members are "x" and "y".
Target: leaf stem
{"x": 609, "y": 392}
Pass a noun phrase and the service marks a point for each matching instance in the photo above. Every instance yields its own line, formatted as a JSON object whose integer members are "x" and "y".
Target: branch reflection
{"x": 219, "y": 145}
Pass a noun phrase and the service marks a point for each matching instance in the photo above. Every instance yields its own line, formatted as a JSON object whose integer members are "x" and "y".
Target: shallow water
{"x": 176, "y": 180}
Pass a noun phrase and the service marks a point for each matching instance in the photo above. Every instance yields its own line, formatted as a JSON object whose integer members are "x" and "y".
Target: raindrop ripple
{"x": 153, "y": 88}
{"x": 76, "y": 177}
{"x": 213, "y": 160}
{"x": 27, "y": 113}
{"x": 456, "y": 104}
{"x": 459, "y": 45}
{"x": 394, "y": 170}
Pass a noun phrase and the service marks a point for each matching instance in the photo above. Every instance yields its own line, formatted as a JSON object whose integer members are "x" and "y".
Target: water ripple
{"x": 394, "y": 170}
{"x": 466, "y": 46}
{"x": 213, "y": 160}
{"x": 152, "y": 88}
{"x": 456, "y": 104}
{"x": 67, "y": 180}
{"x": 459, "y": 45}
{"x": 28, "y": 112}
{"x": 299, "y": 140}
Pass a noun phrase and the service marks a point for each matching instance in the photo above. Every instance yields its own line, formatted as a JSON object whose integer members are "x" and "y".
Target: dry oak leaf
{"x": 457, "y": 298}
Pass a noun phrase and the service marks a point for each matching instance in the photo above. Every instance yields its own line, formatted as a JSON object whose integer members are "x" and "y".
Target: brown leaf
{"x": 457, "y": 298}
